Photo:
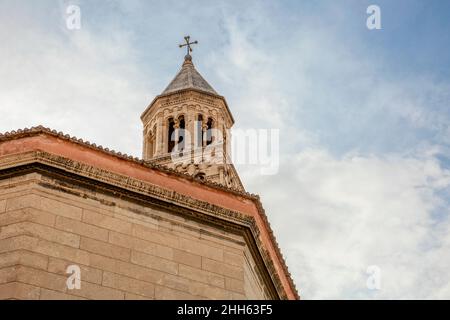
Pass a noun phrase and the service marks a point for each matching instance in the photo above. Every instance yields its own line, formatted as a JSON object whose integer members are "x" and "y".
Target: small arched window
{"x": 171, "y": 135}
{"x": 153, "y": 149}
{"x": 150, "y": 146}
{"x": 199, "y": 131}
{"x": 209, "y": 134}
{"x": 181, "y": 139}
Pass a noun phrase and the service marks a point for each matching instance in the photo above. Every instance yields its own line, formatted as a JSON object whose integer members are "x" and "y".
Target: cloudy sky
{"x": 364, "y": 115}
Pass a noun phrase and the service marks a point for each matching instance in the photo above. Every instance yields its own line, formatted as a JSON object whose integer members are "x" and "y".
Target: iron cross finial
{"x": 188, "y": 44}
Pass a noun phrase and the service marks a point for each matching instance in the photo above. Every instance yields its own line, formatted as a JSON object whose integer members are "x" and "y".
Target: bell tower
{"x": 187, "y": 128}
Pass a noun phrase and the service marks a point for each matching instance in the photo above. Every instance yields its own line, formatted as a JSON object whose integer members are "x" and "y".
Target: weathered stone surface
{"x": 128, "y": 285}
{"x": 233, "y": 258}
{"x": 40, "y": 231}
{"x": 202, "y": 276}
{"x": 97, "y": 292}
{"x": 110, "y": 223}
{"x": 80, "y": 228}
{"x": 105, "y": 249}
{"x": 201, "y": 249}
{"x": 20, "y": 291}
{"x": 131, "y": 242}
{"x": 235, "y": 285}
{"x": 155, "y": 236}
{"x": 88, "y": 274}
{"x": 8, "y": 274}
{"x": 164, "y": 293}
{"x": 55, "y": 295}
{"x": 131, "y": 296}
{"x": 119, "y": 256}
{"x": 60, "y": 208}
{"x": 154, "y": 262}
{"x": 27, "y": 214}
{"x": 223, "y": 269}
{"x": 24, "y": 258}
{"x": 41, "y": 279}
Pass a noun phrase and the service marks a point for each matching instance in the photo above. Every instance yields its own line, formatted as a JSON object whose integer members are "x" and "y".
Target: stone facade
{"x": 125, "y": 250}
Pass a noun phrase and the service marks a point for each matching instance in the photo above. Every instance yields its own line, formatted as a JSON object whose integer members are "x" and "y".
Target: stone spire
{"x": 189, "y": 78}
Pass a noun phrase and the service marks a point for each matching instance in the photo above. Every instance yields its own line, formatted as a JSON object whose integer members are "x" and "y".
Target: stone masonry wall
{"x": 124, "y": 250}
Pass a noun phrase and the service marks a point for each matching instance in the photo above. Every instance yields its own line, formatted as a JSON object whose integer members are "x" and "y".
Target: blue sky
{"x": 363, "y": 115}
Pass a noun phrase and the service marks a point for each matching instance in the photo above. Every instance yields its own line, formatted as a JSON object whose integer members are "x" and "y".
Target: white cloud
{"x": 345, "y": 214}
{"x": 335, "y": 215}
{"x": 78, "y": 82}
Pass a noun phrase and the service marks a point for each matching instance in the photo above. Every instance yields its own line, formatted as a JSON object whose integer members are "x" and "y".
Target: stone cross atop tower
{"x": 187, "y": 126}
{"x": 188, "y": 45}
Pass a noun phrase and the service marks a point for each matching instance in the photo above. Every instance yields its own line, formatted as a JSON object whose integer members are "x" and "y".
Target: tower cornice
{"x": 182, "y": 92}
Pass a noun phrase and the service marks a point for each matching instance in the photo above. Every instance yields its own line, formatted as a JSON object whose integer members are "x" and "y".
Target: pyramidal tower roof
{"x": 189, "y": 78}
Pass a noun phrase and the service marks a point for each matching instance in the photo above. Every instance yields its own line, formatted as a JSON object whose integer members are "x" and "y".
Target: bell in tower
{"x": 186, "y": 128}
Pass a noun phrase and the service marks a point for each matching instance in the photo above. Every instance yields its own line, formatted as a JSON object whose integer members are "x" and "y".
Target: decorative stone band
{"x": 123, "y": 182}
